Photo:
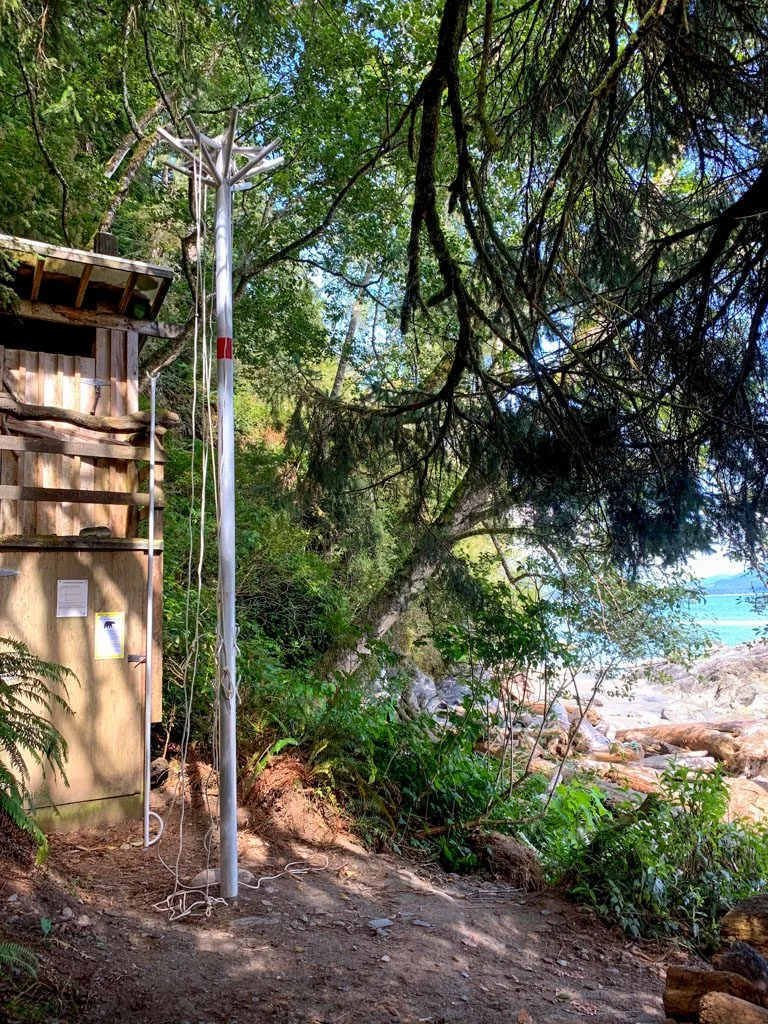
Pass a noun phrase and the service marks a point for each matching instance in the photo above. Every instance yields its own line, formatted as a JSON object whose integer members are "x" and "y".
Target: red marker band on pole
{"x": 223, "y": 348}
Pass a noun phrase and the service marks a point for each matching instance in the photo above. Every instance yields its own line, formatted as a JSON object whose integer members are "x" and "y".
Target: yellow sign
{"x": 109, "y": 636}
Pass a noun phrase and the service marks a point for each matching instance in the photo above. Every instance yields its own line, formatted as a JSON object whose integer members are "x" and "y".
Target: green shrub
{"x": 27, "y": 699}
{"x": 670, "y": 867}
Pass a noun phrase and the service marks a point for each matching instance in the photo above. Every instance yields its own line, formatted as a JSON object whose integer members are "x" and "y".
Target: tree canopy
{"x": 549, "y": 217}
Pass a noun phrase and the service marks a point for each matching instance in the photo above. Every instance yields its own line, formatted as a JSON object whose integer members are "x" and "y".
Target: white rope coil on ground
{"x": 185, "y": 902}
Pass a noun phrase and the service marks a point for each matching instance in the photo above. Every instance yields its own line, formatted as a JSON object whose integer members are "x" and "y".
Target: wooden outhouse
{"x": 74, "y": 462}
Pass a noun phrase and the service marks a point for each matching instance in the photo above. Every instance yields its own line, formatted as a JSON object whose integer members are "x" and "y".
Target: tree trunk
{"x": 465, "y": 509}
{"x": 136, "y": 163}
{"x": 349, "y": 339}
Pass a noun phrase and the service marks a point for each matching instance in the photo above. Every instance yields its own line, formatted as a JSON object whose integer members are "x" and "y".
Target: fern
{"x": 14, "y": 955}
{"x": 28, "y": 697}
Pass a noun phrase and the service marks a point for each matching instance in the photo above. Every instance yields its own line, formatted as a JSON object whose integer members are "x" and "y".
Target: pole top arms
{"x": 215, "y": 160}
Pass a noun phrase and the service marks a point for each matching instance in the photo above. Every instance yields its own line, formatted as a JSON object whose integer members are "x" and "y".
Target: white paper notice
{"x": 72, "y": 599}
{"x": 109, "y": 639}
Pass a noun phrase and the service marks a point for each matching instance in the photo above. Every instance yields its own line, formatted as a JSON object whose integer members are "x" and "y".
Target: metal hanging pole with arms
{"x": 214, "y": 162}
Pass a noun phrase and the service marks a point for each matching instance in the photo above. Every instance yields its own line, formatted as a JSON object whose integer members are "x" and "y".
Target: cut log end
{"x": 748, "y": 922}
{"x": 721, "y": 1008}
{"x": 686, "y": 988}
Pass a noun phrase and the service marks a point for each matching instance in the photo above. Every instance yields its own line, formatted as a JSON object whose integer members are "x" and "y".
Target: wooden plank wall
{"x": 43, "y": 378}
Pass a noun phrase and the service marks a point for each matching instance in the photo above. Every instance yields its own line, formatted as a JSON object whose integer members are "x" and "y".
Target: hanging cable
{"x": 148, "y": 659}
{"x": 194, "y": 572}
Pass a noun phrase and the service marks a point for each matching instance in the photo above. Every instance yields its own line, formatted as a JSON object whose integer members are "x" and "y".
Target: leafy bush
{"x": 26, "y": 684}
{"x": 670, "y": 867}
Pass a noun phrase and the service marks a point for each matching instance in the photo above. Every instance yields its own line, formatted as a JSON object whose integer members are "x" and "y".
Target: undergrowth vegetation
{"x": 428, "y": 781}
{"x": 670, "y": 867}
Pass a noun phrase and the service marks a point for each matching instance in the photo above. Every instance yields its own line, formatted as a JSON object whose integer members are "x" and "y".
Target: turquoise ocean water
{"x": 731, "y": 618}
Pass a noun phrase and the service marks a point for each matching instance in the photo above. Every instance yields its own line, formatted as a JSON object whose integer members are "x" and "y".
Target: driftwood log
{"x": 636, "y": 776}
{"x": 742, "y": 746}
{"x": 686, "y": 988}
{"x": 747, "y": 798}
{"x": 720, "y": 1008}
{"x": 104, "y": 424}
{"x": 539, "y": 707}
{"x": 748, "y": 922}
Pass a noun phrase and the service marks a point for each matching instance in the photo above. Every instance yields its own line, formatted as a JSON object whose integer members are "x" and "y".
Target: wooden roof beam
{"x": 37, "y": 279}
{"x": 158, "y": 300}
{"x": 97, "y": 318}
{"x": 125, "y": 298}
{"x": 85, "y": 277}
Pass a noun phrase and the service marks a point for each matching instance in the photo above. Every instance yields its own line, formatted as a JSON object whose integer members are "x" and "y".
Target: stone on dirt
{"x": 719, "y": 1008}
{"x": 686, "y": 988}
{"x": 377, "y": 923}
{"x": 212, "y": 876}
{"x": 748, "y": 922}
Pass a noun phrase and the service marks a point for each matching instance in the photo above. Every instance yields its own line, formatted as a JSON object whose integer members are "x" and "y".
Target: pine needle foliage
{"x": 30, "y": 690}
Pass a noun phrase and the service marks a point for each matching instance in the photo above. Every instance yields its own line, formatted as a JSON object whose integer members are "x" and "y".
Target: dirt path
{"x": 300, "y": 950}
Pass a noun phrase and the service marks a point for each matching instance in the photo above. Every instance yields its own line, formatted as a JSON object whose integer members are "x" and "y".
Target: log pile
{"x": 741, "y": 746}
{"x": 736, "y": 990}
{"x": 636, "y": 758}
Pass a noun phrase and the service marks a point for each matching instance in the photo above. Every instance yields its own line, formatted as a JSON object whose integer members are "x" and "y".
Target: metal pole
{"x": 226, "y": 538}
{"x": 221, "y": 170}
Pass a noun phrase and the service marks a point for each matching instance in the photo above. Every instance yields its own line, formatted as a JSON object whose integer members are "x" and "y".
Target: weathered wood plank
{"x": 8, "y": 460}
{"x": 46, "y": 494}
{"x": 103, "y": 515}
{"x": 46, "y": 472}
{"x": 29, "y": 392}
{"x": 14, "y": 373}
{"x": 87, "y": 368}
{"x": 132, "y": 405}
{"x": 65, "y": 389}
{"x": 26, "y": 245}
{"x": 132, "y": 372}
{"x": 97, "y": 318}
{"x": 66, "y": 446}
{"x": 159, "y": 513}
{"x": 118, "y": 516}
{"x": 76, "y": 543}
